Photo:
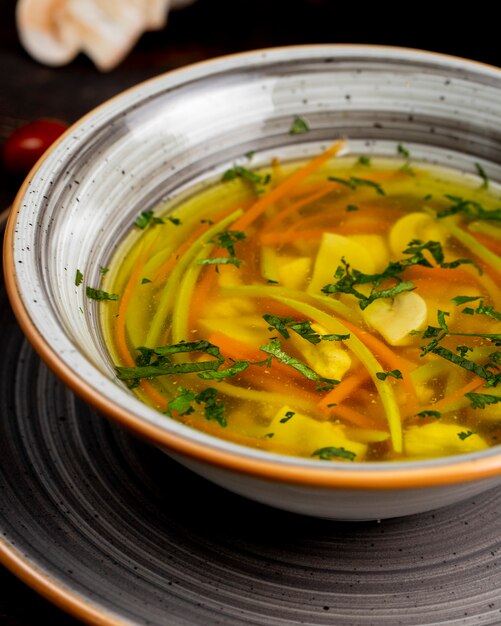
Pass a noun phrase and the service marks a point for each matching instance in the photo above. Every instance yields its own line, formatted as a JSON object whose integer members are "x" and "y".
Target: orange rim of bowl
{"x": 404, "y": 475}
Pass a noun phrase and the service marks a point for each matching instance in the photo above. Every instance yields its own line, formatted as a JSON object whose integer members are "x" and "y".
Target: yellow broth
{"x": 353, "y": 315}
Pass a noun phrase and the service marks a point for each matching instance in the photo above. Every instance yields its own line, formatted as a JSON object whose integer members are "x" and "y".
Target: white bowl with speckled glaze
{"x": 158, "y": 139}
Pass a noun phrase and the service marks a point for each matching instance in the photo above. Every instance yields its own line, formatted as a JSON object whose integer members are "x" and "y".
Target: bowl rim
{"x": 383, "y": 476}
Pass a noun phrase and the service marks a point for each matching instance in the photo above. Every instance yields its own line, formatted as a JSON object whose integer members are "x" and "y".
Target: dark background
{"x": 206, "y": 29}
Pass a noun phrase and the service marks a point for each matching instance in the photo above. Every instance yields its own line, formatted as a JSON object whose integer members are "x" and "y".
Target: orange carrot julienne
{"x": 392, "y": 360}
{"x": 289, "y": 183}
{"x": 295, "y": 206}
{"x": 345, "y": 388}
{"x": 355, "y": 418}
{"x": 454, "y": 396}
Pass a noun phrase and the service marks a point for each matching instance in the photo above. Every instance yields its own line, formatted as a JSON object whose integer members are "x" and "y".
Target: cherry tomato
{"x": 27, "y": 144}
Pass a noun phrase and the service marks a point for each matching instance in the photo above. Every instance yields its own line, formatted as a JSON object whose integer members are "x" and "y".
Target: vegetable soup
{"x": 345, "y": 308}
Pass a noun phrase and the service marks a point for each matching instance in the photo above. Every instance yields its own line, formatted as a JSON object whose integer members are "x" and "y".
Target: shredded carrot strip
{"x": 453, "y": 397}
{"x": 295, "y": 206}
{"x": 345, "y": 388}
{"x": 239, "y": 351}
{"x": 442, "y": 274}
{"x": 355, "y": 418}
{"x": 281, "y": 190}
{"x": 392, "y": 360}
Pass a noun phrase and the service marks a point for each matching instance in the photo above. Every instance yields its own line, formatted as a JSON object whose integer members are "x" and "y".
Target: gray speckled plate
{"x": 117, "y": 533}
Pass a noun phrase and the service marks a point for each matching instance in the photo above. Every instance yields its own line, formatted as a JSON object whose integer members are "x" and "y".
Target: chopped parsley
{"x": 351, "y": 207}
{"x": 364, "y": 160}
{"x": 353, "y": 182}
{"x": 470, "y": 208}
{"x": 99, "y": 294}
{"x": 182, "y": 404}
{"x": 428, "y": 413}
{"x": 303, "y": 329}
{"x": 407, "y": 169}
{"x": 103, "y": 270}
{"x": 258, "y": 180}
{"x": 331, "y": 452}
{"x": 147, "y": 218}
{"x": 483, "y": 176}
{"x": 145, "y": 281}
{"x": 275, "y": 349}
{"x": 393, "y": 374}
{"x": 481, "y": 400}
{"x": 288, "y": 415}
{"x": 174, "y": 220}
{"x": 227, "y": 239}
{"x": 220, "y": 260}
{"x": 347, "y": 278}
{"x": 299, "y": 126}
{"x": 162, "y": 365}
{"x": 78, "y": 278}
{"x": 464, "y": 435}
{"x": 402, "y": 150}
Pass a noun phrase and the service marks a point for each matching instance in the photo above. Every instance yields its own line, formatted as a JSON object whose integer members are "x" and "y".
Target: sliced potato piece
{"x": 395, "y": 318}
{"x": 327, "y": 358}
{"x": 294, "y": 273}
{"x": 377, "y": 248}
{"x": 436, "y": 439}
{"x": 305, "y": 434}
{"x": 415, "y": 226}
{"x": 332, "y": 249}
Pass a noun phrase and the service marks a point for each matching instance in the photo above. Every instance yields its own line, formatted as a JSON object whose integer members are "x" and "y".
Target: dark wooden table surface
{"x": 206, "y": 29}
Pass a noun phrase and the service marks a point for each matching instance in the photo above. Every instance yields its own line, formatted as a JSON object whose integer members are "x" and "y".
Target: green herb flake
{"x": 147, "y": 218}
{"x": 278, "y": 323}
{"x": 354, "y": 182}
{"x": 78, "y": 278}
{"x": 483, "y": 176}
{"x": 464, "y": 435}
{"x": 407, "y": 169}
{"x": 103, "y": 270}
{"x": 351, "y": 207}
{"x": 402, "y": 150}
{"x": 233, "y": 370}
{"x": 268, "y": 436}
{"x": 458, "y": 300}
{"x": 393, "y": 374}
{"x": 299, "y": 126}
{"x": 99, "y": 294}
{"x": 227, "y": 240}
{"x": 481, "y": 400}
{"x": 436, "y": 414}
{"x": 364, "y": 160}
{"x": 145, "y": 281}
{"x": 174, "y": 220}
{"x": 470, "y": 208}
{"x": 224, "y": 260}
{"x": 331, "y": 452}
{"x": 238, "y": 171}
{"x": 275, "y": 349}
{"x": 288, "y": 415}
{"x": 182, "y": 403}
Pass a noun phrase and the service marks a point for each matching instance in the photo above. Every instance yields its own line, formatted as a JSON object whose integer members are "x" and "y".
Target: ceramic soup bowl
{"x": 157, "y": 140}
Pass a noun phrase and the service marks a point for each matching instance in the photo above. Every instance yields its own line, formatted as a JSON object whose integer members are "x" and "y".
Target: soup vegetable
{"x": 340, "y": 309}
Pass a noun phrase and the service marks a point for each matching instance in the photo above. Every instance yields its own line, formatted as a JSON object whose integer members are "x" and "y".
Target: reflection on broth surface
{"x": 340, "y": 309}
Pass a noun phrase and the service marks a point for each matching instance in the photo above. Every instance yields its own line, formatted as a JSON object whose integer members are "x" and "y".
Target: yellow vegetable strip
{"x": 171, "y": 290}
{"x": 261, "y": 396}
{"x": 268, "y": 291}
{"x": 366, "y": 357}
